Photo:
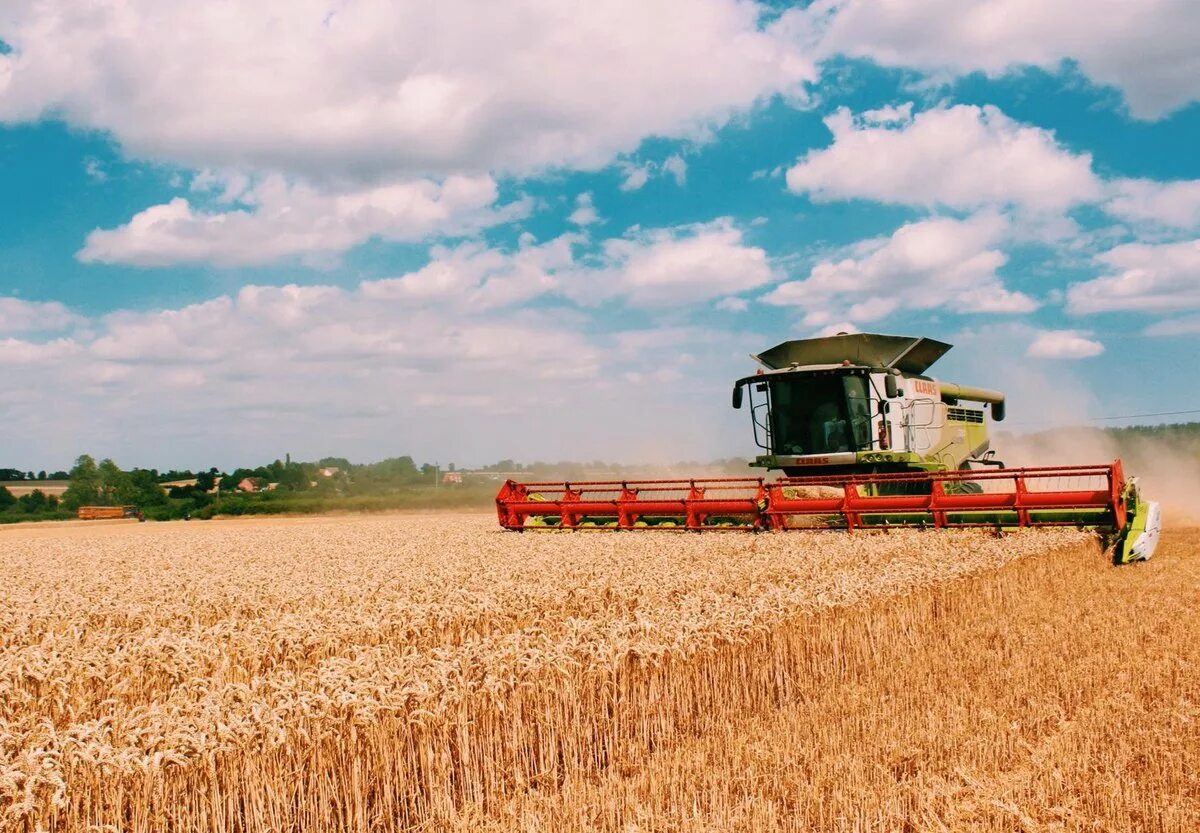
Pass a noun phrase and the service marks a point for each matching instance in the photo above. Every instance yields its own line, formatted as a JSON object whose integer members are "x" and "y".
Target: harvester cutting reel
{"x": 1087, "y": 497}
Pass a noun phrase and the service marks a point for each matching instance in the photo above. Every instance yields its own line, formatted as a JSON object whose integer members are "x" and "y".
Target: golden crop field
{"x": 434, "y": 673}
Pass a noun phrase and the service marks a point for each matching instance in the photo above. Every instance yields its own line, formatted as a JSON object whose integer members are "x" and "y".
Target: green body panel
{"x": 864, "y": 460}
{"x": 1138, "y": 511}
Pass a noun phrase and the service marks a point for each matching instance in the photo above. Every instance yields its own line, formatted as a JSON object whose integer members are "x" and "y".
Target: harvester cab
{"x": 861, "y": 404}
{"x": 865, "y": 440}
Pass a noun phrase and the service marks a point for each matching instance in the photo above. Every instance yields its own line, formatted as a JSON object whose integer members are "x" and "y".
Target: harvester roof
{"x": 905, "y": 353}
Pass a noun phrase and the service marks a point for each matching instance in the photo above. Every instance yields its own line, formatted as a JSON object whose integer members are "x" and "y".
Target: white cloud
{"x": 676, "y": 267}
{"x": 963, "y": 157}
{"x": 20, "y": 316}
{"x": 889, "y": 114}
{"x": 94, "y": 169}
{"x": 378, "y": 90}
{"x": 837, "y": 329}
{"x": 1146, "y": 201}
{"x": 474, "y": 277}
{"x": 15, "y": 351}
{"x": 676, "y": 167}
{"x": 1147, "y": 49}
{"x": 732, "y": 304}
{"x": 1186, "y": 326}
{"x": 366, "y": 372}
{"x": 1141, "y": 277}
{"x": 934, "y": 263}
{"x": 682, "y": 266}
{"x": 635, "y": 177}
{"x": 284, "y": 220}
{"x": 585, "y": 211}
{"x": 1063, "y": 344}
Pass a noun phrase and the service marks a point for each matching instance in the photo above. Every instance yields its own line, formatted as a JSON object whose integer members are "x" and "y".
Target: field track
{"x": 383, "y": 673}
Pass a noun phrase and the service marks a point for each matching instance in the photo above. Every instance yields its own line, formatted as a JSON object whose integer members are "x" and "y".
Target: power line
{"x": 1111, "y": 418}
{"x": 1138, "y": 416}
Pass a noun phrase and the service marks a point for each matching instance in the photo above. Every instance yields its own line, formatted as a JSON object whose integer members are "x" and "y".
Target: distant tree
{"x": 59, "y": 475}
{"x": 41, "y": 475}
{"x": 29, "y": 476}
{"x": 142, "y": 489}
{"x": 229, "y": 482}
{"x": 9, "y": 475}
{"x": 293, "y": 477}
{"x": 7, "y": 500}
{"x": 335, "y": 463}
{"x": 205, "y": 480}
{"x": 115, "y": 485}
{"x": 84, "y": 489}
{"x": 34, "y": 502}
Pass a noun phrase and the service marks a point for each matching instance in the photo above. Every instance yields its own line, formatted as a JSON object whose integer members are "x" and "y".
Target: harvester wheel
{"x": 963, "y": 487}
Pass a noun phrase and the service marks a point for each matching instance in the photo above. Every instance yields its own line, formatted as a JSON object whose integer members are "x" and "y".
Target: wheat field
{"x": 433, "y": 673}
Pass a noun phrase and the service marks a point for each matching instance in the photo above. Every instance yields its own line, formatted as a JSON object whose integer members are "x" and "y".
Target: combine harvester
{"x": 865, "y": 440}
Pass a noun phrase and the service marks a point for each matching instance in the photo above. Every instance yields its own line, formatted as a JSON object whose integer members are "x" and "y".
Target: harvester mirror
{"x": 737, "y": 397}
{"x": 890, "y": 387}
{"x": 998, "y": 411}
{"x": 883, "y": 406}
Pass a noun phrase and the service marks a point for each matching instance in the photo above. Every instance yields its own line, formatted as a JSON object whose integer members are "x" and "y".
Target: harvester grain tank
{"x": 864, "y": 439}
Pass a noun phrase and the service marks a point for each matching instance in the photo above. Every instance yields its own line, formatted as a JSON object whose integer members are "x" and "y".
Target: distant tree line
{"x": 18, "y": 476}
{"x": 31, "y": 506}
{"x": 332, "y": 483}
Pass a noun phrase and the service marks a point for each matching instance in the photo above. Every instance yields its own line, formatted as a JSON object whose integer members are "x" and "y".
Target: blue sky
{"x": 369, "y": 229}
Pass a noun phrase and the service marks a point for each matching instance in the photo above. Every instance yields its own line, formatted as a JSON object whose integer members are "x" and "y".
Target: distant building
{"x": 247, "y": 484}
{"x": 452, "y": 478}
{"x": 329, "y": 471}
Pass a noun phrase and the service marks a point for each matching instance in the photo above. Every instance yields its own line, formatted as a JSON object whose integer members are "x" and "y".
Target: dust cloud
{"x": 1168, "y": 470}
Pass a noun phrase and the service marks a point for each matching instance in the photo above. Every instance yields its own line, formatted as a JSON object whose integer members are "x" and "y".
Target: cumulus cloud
{"x": 20, "y": 316}
{"x": 634, "y": 177}
{"x": 380, "y": 90}
{"x": 962, "y": 157}
{"x": 1187, "y": 326}
{"x": 1141, "y": 277}
{"x": 585, "y": 211}
{"x": 1146, "y": 201}
{"x": 474, "y": 276}
{"x": 676, "y": 267}
{"x": 935, "y": 263}
{"x": 1063, "y": 344}
{"x": 365, "y": 372}
{"x": 1146, "y": 49}
{"x": 14, "y": 351}
{"x": 676, "y": 166}
{"x": 479, "y": 353}
{"x": 282, "y": 219}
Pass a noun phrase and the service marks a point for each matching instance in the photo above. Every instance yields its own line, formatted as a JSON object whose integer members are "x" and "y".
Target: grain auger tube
{"x": 864, "y": 440}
